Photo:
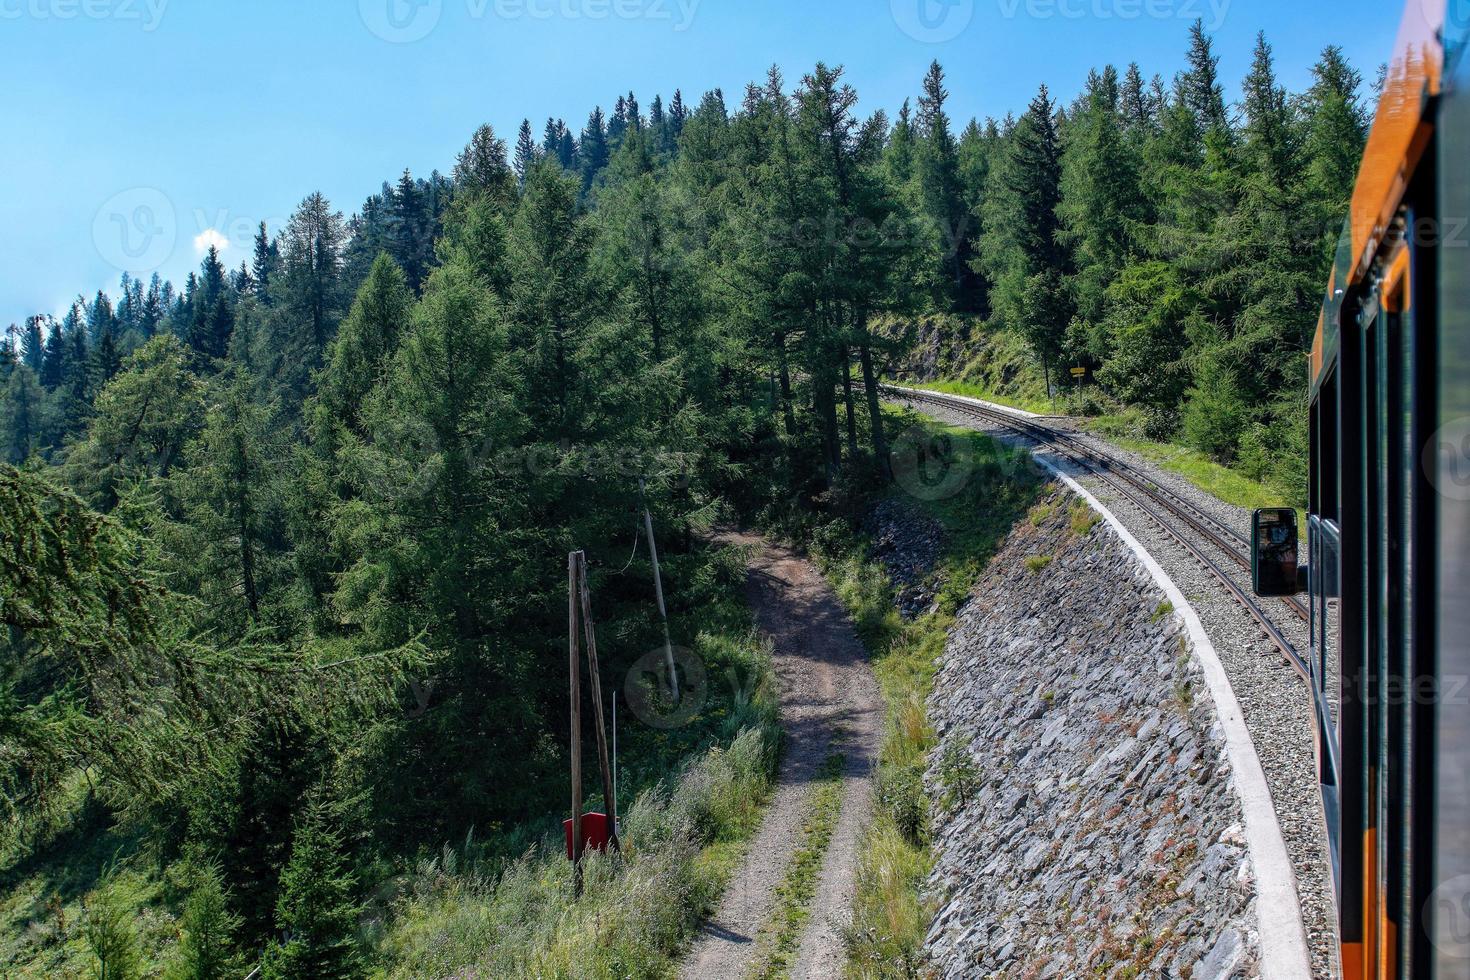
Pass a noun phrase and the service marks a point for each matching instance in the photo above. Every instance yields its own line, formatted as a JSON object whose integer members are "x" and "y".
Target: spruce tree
{"x": 111, "y": 935}
{"x": 308, "y": 297}
{"x": 53, "y": 370}
{"x": 365, "y": 342}
{"x": 23, "y": 395}
{"x": 526, "y": 153}
{"x": 1336, "y": 133}
{"x": 1033, "y": 288}
{"x": 900, "y": 155}
{"x": 937, "y": 167}
{"x": 593, "y": 150}
{"x": 317, "y": 911}
{"x": 264, "y": 263}
{"x": 33, "y": 344}
{"x": 209, "y": 928}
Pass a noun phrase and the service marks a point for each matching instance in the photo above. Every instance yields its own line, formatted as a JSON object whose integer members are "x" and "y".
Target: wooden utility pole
{"x": 594, "y": 674}
{"x": 658, "y": 591}
{"x": 580, "y": 629}
{"x": 573, "y": 582}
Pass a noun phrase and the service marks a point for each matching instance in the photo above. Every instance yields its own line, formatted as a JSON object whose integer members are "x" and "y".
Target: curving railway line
{"x": 1220, "y": 549}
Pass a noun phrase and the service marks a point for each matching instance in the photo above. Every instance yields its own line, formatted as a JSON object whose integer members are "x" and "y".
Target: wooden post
{"x": 658, "y": 591}
{"x": 573, "y": 587}
{"x": 595, "y": 677}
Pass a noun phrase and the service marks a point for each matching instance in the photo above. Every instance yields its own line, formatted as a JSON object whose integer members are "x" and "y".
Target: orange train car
{"x": 1388, "y": 571}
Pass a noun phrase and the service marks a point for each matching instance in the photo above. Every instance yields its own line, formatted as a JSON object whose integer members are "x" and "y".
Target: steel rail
{"x": 1179, "y": 507}
{"x": 1105, "y": 469}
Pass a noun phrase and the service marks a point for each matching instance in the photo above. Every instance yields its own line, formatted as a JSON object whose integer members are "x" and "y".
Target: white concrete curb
{"x": 1284, "y": 953}
{"x": 963, "y": 398}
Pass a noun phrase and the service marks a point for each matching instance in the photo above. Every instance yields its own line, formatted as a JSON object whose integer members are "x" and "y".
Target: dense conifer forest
{"x": 284, "y": 559}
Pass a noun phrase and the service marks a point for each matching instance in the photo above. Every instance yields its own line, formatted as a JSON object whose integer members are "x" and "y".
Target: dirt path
{"x": 829, "y": 703}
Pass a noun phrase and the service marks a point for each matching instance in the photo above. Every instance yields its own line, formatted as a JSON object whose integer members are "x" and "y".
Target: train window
{"x": 1274, "y": 552}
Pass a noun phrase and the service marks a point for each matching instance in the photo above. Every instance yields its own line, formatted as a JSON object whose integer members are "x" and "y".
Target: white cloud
{"x": 210, "y": 237}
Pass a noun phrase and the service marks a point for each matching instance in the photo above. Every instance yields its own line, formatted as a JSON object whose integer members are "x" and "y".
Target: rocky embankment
{"x": 908, "y": 544}
{"x": 1086, "y": 822}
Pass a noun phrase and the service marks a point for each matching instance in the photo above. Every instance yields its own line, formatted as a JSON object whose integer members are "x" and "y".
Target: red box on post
{"x": 596, "y": 833}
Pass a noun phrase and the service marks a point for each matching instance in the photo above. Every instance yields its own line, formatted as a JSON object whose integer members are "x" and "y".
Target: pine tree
{"x": 617, "y": 125}
{"x": 151, "y": 317}
{"x": 1137, "y": 105}
{"x": 367, "y": 339}
{"x": 409, "y": 239}
{"x": 937, "y": 167}
{"x": 53, "y": 370}
{"x": 1032, "y": 287}
{"x": 482, "y": 168}
{"x": 266, "y": 262}
{"x": 1103, "y": 204}
{"x": 100, "y": 316}
{"x": 22, "y": 413}
{"x": 108, "y": 926}
{"x": 317, "y": 910}
{"x": 209, "y": 928}
{"x": 106, "y": 359}
{"x": 1336, "y": 133}
{"x": 231, "y": 498}
{"x": 213, "y": 313}
{"x": 900, "y": 154}
{"x": 593, "y": 150}
{"x": 526, "y": 153}
{"x": 33, "y": 344}
{"x": 308, "y": 296}
{"x": 142, "y": 423}
{"x": 678, "y": 115}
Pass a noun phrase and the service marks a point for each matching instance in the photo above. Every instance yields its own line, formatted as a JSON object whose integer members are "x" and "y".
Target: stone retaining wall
{"x": 1095, "y": 829}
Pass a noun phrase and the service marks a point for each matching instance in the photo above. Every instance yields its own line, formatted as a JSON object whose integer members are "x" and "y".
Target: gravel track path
{"x": 829, "y": 703}
{"x": 1273, "y": 699}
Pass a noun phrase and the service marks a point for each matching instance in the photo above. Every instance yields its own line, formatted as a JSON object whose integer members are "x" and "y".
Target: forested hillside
{"x": 284, "y": 555}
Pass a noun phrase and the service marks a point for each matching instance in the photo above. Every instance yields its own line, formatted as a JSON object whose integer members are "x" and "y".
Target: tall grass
{"x": 636, "y": 909}
{"x": 891, "y": 913}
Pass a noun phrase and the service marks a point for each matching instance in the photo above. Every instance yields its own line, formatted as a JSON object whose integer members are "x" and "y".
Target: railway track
{"x": 1197, "y": 533}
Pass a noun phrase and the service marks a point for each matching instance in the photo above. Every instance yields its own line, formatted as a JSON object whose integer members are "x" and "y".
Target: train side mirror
{"x": 1274, "y": 558}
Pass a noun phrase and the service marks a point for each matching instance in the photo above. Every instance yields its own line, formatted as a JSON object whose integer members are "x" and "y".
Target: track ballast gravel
{"x": 1274, "y": 700}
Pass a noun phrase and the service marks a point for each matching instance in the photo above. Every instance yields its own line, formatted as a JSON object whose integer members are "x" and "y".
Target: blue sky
{"x": 134, "y": 127}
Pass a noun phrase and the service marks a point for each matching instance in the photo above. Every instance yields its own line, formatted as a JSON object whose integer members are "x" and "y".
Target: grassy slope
{"x": 1221, "y": 482}
{"x": 1025, "y": 403}
{"x": 890, "y": 917}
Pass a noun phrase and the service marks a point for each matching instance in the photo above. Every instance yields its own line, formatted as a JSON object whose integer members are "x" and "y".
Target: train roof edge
{"x": 1431, "y": 38}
